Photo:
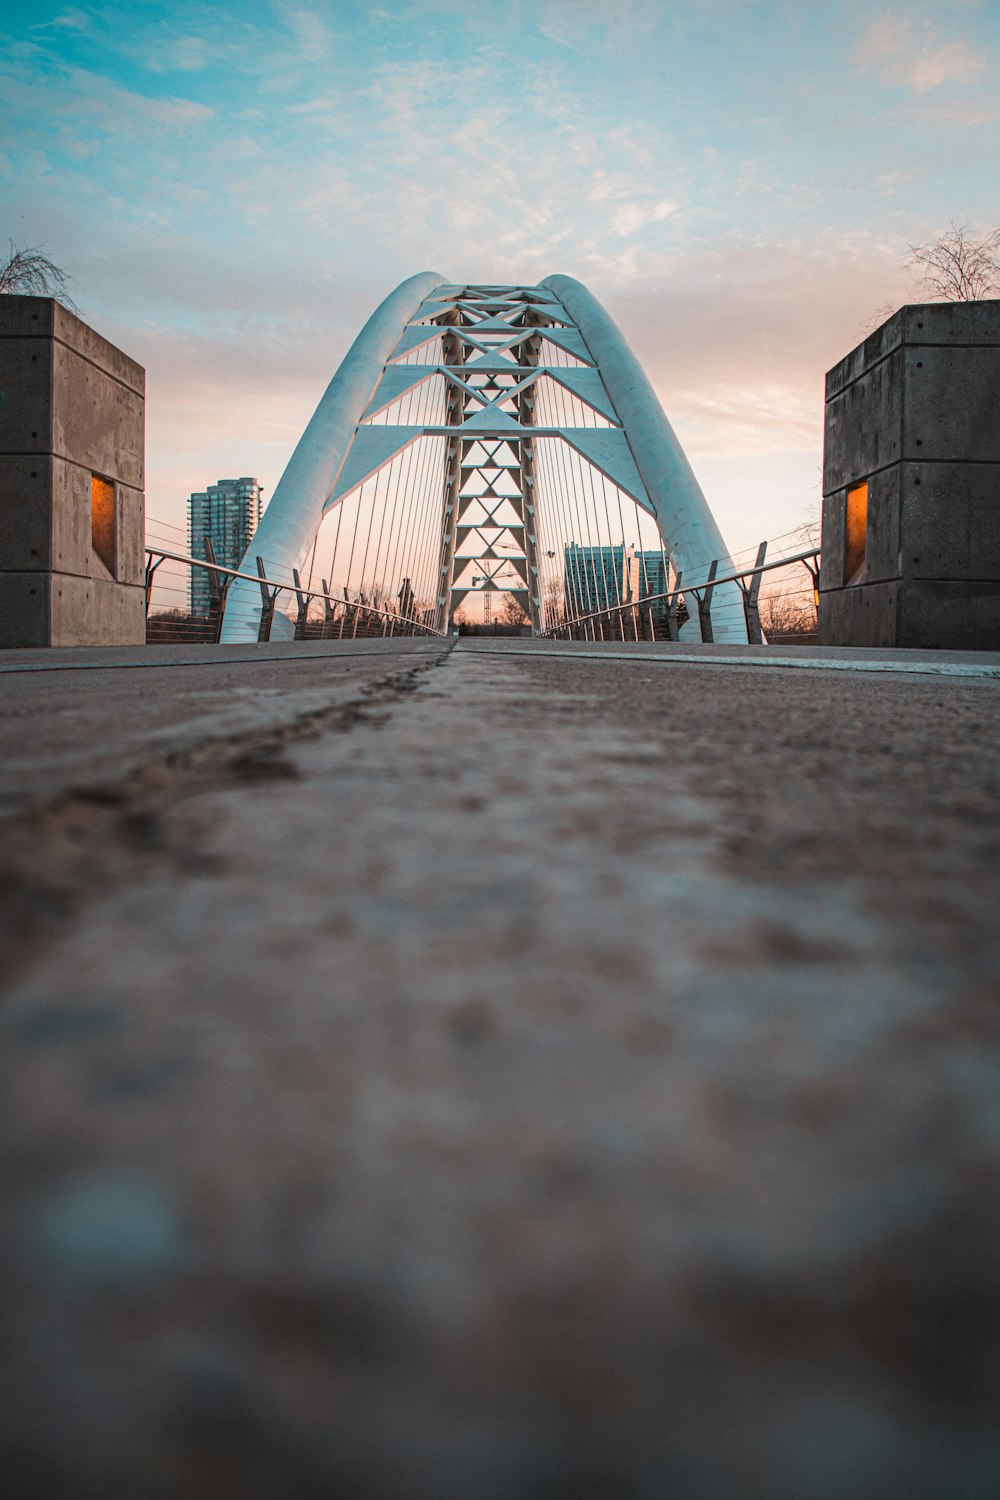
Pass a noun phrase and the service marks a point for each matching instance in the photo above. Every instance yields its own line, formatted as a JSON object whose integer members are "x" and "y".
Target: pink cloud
{"x": 906, "y": 54}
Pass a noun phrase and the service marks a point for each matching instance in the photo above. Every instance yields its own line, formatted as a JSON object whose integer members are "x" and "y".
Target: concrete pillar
{"x": 72, "y": 505}
{"x": 911, "y": 483}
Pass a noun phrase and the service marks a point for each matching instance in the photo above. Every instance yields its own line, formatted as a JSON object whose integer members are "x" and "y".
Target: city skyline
{"x": 234, "y": 190}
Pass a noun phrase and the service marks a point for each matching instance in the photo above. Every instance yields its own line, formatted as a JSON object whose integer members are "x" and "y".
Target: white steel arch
{"x": 289, "y": 525}
{"x": 521, "y": 368}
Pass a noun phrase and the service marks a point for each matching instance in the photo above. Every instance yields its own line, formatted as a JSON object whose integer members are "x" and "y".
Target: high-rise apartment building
{"x": 226, "y": 514}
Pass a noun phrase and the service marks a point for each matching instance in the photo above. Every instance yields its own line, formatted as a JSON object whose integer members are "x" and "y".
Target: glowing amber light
{"x": 102, "y": 520}
{"x": 855, "y": 527}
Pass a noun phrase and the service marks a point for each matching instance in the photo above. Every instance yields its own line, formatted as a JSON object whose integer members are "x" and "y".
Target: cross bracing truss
{"x": 478, "y": 424}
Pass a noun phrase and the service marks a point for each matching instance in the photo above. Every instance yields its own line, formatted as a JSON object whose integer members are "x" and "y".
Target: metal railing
{"x": 342, "y": 616}
{"x": 644, "y": 617}
{"x": 642, "y": 614}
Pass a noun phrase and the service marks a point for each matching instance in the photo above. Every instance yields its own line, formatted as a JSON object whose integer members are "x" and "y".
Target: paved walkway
{"x": 515, "y": 1070}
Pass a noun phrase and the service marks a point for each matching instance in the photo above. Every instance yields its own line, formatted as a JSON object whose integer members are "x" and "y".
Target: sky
{"x": 234, "y": 188}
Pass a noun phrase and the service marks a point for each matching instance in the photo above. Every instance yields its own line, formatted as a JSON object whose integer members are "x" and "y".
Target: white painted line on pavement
{"x": 807, "y": 663}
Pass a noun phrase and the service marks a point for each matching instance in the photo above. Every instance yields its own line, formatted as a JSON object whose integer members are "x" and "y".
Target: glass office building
{"x": 599, "y": 578}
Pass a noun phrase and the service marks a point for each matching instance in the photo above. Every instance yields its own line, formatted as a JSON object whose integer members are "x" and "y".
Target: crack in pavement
{"x": 60, "y": 854}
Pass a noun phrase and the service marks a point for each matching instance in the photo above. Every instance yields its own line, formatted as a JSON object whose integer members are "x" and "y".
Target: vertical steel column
{"x": 529, "y": 353}
{"x": 452, "y": 350}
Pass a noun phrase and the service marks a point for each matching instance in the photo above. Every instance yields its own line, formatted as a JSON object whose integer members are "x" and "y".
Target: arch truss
{"x": 482, "y": 440}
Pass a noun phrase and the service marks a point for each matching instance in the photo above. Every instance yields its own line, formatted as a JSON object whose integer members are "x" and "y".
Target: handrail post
{"x": 268, "y": 596}
{"x": 217, "y": 592}
{"x": 751, "y": 606}
{"x": 151, "y": 568}
{"x": 673, "y": 610}
{"x": 303, "y": 607}
{"x": 704, "y": 598}
{"x": 329, "y": 610}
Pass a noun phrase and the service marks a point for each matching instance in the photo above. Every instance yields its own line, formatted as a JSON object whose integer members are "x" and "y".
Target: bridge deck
{"x": 501, "y": 1070}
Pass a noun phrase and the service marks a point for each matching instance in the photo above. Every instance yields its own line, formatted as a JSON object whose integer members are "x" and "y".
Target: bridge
{"x": 547, "y": 1066}
{"x": 483, "y": 440}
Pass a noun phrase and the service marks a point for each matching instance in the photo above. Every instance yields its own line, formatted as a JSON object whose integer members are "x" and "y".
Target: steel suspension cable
{"x": 406, "y": 567}
{"x": 402, "y": 493}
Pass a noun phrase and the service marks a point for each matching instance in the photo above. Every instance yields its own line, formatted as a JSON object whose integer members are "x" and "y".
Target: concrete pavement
{"x": 502, "y": 1071}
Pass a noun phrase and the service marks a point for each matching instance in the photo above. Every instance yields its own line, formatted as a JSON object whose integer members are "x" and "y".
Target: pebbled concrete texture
{"x": 501, "y": 1073}
{"x": 75, "y": 721}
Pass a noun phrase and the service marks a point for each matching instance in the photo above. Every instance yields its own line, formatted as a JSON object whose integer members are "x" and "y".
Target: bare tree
{"x": 810, "y": 532}
{"x": 878, "y": 317}
{"x": 787, "y": 613}
{"x": 554, "y": 601}
{"x": 27, "y": 272}
{"x": 959, "y": 267}
{"x": 513, "y": 612}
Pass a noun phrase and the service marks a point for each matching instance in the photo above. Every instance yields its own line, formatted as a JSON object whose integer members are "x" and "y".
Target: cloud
{"x": 173, "y": 114}
{"x": 891, "y": 182}
{"x": 965, "y": 112}
{"x": 326, "y": 117}
{"x": 906, "y": 53}
{"x": 506, "y": 181}
{"x": 574, "y": 23}
{"x": 182, "y": 54}
{"x": 91, "y": 104}
{"x": 950, "y": 62}
{"x": 308, "y": 30}
{"x": 307, "y": 159}
{"x": 310, "y": 107}
{"x": 68, "y": 20}
{"x": 736, "y": 338}
{"x": 630, "y": 217}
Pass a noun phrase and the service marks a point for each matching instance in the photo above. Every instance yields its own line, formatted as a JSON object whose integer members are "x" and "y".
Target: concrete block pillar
{"x": 911, "y": 483}
{"x": 72, "y": 504}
